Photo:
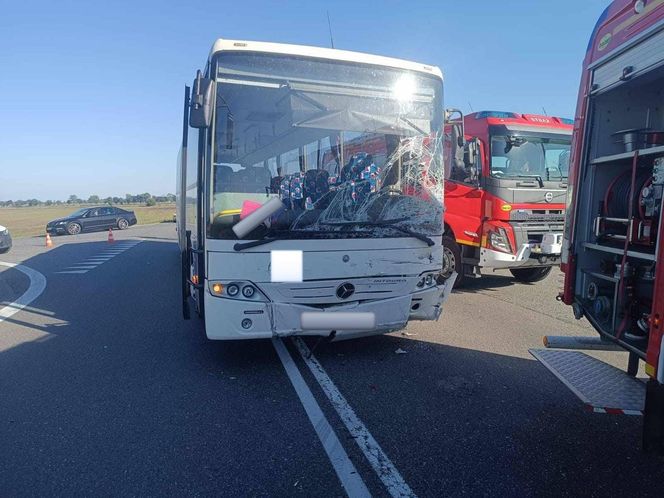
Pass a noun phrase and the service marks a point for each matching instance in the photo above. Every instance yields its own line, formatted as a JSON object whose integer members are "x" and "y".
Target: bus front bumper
{"x": 227, "y": 319}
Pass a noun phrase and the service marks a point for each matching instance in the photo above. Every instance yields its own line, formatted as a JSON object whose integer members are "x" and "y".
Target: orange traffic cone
{"x": 110, "y": 236}
{"x": 49, "y": 242}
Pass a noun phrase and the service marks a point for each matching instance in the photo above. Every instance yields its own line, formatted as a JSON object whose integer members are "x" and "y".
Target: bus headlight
{"x": 426, "y": 280}
{"x": 238, "y": 290}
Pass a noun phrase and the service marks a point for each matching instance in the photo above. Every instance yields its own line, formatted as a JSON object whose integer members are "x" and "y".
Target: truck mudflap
{"x": 601, "y": 387}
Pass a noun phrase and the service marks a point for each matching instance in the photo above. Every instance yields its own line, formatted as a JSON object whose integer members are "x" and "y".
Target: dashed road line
{"x": 346, "y": 472}
{"x": 37, "y": 286}
{"x": 94, "y": 261}
{"x": 382, "y": 465}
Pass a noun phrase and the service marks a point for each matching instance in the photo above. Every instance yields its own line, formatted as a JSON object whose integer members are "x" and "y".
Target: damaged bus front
{"x": 338, "y": 154}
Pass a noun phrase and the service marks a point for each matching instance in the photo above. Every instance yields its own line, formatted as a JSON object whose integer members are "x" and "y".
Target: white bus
{"x": 348, "y": 147}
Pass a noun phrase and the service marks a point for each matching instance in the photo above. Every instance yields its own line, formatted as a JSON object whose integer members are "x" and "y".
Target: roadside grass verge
{"x": 28, "y": 221}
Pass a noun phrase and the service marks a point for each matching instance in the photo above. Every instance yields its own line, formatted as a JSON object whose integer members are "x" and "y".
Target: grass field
{"x": 27, "y": 221}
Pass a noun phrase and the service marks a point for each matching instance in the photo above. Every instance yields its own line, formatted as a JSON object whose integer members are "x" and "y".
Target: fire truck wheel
{"x": 531, "y": 275}
{"x": 452, "y": 260}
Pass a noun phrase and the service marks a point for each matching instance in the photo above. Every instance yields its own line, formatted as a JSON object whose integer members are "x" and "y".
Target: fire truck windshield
{"x": 344, "y": 145}
{"x": 530, "y": 156}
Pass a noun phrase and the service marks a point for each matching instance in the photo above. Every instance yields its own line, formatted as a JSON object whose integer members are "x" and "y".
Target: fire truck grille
{"x": 534, "y": 232}
{"x": 534, "y": 215}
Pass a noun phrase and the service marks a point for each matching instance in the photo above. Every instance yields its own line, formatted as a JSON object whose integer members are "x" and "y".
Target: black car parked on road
{"x": 5, "y": 240}
{"x": 90, "y": 219}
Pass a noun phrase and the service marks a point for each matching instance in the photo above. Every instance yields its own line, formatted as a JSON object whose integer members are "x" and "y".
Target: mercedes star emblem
{"x": 344, "y": 291}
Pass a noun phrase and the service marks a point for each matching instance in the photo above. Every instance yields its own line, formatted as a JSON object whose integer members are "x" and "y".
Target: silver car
{"x": 5, "y": 240}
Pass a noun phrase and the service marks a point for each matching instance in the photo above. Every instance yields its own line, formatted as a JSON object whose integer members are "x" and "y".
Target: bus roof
{"x": 321, "y": 53}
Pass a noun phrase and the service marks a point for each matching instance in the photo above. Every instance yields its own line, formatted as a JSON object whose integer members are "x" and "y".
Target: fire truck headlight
{"x": 500, "y": 241}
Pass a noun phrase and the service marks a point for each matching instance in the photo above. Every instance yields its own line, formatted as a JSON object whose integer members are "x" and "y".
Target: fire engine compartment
{"x": 619, "y": 210}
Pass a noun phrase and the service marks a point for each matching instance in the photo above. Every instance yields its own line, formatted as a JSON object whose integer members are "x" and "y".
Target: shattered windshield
{"x": 345, "y": 146}
{"x": 524, "y": 156}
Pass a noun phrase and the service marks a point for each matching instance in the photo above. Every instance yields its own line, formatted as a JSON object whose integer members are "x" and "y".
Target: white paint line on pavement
{"x": 94, "y": 261}
{"x": 379, "y": 461}
{"x": 37, "y": 286}
{"x": 350, "y": 479}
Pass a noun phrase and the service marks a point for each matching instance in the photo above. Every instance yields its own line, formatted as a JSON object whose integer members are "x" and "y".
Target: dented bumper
{"x": 224, "y": 318}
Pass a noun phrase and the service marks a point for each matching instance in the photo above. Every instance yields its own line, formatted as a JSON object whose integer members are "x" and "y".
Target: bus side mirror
{"x": 200, "y": 112}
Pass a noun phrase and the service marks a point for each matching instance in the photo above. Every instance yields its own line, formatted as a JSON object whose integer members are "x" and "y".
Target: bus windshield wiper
{"x": 386, "y": 224}
{"x": 282, "y": 235}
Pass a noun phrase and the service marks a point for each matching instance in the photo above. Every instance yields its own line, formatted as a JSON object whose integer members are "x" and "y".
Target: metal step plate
{"x": 603, "y": 388}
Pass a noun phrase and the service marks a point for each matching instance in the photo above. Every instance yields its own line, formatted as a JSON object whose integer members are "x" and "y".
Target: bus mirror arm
{"x": 200, "y": 112}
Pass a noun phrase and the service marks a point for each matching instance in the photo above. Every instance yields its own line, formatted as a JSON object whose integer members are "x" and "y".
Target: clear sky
{"x": 91, "y": 92}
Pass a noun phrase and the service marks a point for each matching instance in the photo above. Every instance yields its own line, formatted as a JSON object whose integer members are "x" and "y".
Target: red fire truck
{"x": 505, "y": 188}
{"x": 612, "y": 247}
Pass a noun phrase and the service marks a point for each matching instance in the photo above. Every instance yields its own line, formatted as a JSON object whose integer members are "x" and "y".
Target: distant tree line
{"x": 146, "y": 198}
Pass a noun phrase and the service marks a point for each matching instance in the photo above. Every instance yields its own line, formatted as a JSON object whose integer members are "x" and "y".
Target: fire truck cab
{"x": 506, "y": 182}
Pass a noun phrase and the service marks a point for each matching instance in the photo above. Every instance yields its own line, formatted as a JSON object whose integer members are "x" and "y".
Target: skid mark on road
{"x": 37, "y": 286}
{"x": 344, "y": 468}
{"x": 106, "y": 255}
{"x": 379, "y": 461}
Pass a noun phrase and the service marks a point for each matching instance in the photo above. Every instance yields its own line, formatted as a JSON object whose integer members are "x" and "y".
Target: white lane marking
{"x": 346, "y": 471}
{"x": 379, "y": 461}
{"x": 37, "y": 286}
{"x": 94, "y": 261}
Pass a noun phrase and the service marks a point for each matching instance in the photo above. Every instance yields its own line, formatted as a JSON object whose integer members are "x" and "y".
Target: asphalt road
{"x": 106, "y": 391}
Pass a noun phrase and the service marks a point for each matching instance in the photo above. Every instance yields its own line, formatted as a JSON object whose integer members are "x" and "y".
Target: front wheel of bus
{"x": 452, "y": 260}
{"x": 531, "y": 275}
